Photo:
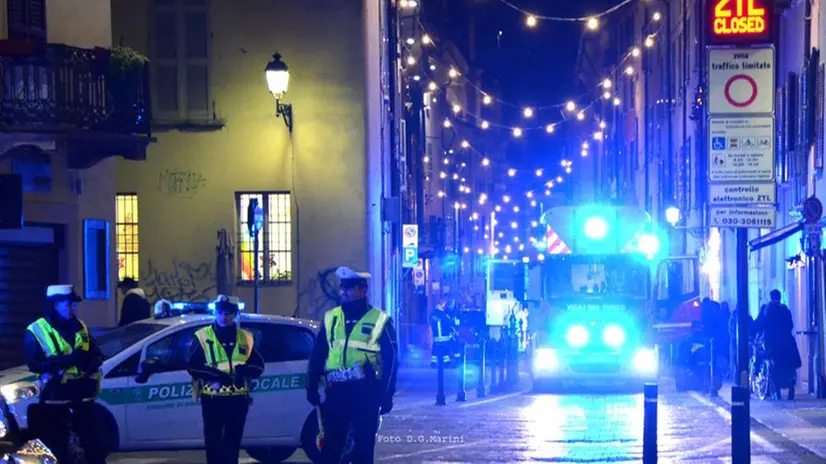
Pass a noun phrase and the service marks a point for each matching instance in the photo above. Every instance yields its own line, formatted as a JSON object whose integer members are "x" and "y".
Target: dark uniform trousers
{"x": 224, "y": 420}
{"x": 51, "y": 423}
{"x": 350, "y": 404}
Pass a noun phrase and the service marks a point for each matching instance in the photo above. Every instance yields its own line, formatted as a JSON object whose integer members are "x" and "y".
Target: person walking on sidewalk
{"x": 355, "y": 355}
{"x": 775, "y": 325}
{"x": 222, "y": 360}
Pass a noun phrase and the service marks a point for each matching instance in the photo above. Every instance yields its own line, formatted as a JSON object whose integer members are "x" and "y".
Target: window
{"x": 26, "y": 19}
{"x": 126, "y": 234}
{"x": 128, "y": 368}
{"x": 113, "y": 342}
{"x": 96, "y": 258}
{"x": 171, "y": 351}
{"x": 281, "y": 343}
{"x": 179, "y": 68}
{"x": 274, "y": 241}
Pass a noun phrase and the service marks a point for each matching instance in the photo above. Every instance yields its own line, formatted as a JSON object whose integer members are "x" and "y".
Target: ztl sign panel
{"x": 740, "y": 21}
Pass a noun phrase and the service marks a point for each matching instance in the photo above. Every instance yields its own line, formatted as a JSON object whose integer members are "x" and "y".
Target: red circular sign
{"x": 748, "y": 101}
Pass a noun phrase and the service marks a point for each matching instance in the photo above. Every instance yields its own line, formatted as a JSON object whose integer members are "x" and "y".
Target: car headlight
{"x": 577, "y": 336}
{"x": 645, "y": 361}
{"x": 613, "y": 336}
{"x": 545, "y": 359}
{"x": 16, "y": 392}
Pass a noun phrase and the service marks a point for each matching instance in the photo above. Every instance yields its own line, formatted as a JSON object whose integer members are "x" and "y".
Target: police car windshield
{"x": 113, "y": 342}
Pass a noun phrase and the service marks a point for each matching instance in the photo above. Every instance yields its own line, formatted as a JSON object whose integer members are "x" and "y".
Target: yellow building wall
{"x": 186, "y": 188}
{"x": 81, "y": 23}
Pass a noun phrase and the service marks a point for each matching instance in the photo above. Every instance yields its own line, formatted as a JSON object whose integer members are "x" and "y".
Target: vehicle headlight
{"x": 16, "y": 392}
{"x": 577, "y": 336}
{"x": 613, "y": 336}
{"x": 645, "y": 361}
{"x": 545, "y": 359}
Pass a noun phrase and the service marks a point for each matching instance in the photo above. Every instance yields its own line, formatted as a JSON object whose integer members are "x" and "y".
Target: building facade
{"x": 323, "y": 180}
{"x": 70, "y": 105}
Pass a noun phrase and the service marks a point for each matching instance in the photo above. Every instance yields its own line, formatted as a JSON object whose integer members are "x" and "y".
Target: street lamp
{"x": 278, "y": 81}
{"x": 672, "y": 215}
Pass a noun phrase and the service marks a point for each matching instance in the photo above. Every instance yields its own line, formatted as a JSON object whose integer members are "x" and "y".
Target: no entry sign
{"x": 741, "y": 81}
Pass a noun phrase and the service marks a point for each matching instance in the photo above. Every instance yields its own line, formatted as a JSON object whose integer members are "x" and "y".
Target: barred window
{"x": 275, "y": 255}
{"x": 126, "y": 233}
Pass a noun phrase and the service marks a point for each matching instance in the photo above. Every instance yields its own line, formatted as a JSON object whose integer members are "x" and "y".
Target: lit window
{"x": 126, "y": 233}
{"x": 275, "y": 258}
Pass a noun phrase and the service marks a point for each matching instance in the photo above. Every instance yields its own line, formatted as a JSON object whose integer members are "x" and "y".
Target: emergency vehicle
{"x": 151, "y": 408}
{"x": 605, "y": 293}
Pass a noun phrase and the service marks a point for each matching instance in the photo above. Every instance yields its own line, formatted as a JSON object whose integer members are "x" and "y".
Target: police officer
{"x": 355, "y": 356}
{"x": 60, "y": 349}
{"x": 443, "y": 329}
{"x": 223, "y": 359}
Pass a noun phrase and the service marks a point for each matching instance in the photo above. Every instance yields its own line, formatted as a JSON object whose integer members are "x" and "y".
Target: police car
{"x": 146, "y": 393}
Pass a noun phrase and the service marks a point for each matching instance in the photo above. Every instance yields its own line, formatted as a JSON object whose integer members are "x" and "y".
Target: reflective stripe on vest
{"x": 53, "y": 344}
{"x": 216, "y": 356}
{"x": 350, "y": 354}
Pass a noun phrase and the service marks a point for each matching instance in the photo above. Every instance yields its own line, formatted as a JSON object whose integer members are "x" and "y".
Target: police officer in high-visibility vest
{"x": 355, "y": 357}
{"x": 223, "y": 359}
{"x": 60, "y": 349}
{"x": 443, "y": 328}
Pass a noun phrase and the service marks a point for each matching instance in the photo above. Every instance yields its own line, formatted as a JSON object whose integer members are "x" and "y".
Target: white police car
{"x": 154, "y": 410}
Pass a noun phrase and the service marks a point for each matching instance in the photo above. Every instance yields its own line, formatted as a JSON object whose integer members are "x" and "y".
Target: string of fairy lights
{"x": 421, "y": 64}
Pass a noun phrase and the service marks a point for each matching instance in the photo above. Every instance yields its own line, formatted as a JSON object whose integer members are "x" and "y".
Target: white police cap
{"x": 224, "y": 302}
{"x": 62, "y": 293}
{"x": 345, "y": 273}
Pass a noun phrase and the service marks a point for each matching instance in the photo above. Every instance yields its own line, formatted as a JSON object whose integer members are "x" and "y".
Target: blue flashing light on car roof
{"x": 596, "y": 228}
{"x": 613, "y": 336}
{"x": 577, "y": 336}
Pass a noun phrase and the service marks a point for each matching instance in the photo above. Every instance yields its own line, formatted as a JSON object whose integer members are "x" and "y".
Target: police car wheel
{"x": 309, "y": 434}
{"x": 271, "y": 454}
{"x": 110, "y": 435}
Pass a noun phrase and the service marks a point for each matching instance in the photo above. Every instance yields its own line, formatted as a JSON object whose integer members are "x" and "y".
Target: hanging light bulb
{"x": 426, "y": 39}
{"x": 635, "y": 52}
{"x": 442, "y": 175}
{"x": 432, "y": 87}
{"x": 417, "y": 78}
{"x": 441, "y": 193}
{"x": 456, "y": 109}
{"x": 485, "y": 124}
{"x": 465, "y": 144}
{"x": 592, "y": 24}
{"x": 580, "y": 116}
{"x": 598, "y": 135}
{"x": 559, "y": 179}
{"x": 549, "y": 128}
{"x": 514, "y": 225}
{"x": 447, "y": 123}
{"x": 570, "y": 106}
{"x": 568, "y": 170}
{"x": 617, "y": 101}
{"x": 584, "y": 153}
{"x": 487, "y": 100}
{"x": 411, "y": 61}
{"x": 515, "y": 209}
{"x": 533, "y": 203}
{"x": 517, "y": 132}
{"x": 452, "y": 73}
{"x": 410, "y": 41}
{"x": 629, "y": 70}
{"x": 550, "y": 184}
{"x": 539, "y": 173}
{"x": 506, "y": 198}
{"x": 602, "y": 125}
{"x": 585, "y": 145}
{"x": 529, "y": 194}
{"x": 432, "y": 67}
{"x": 474, "y": 216}
{"x": 606, "y": 84}
{"x": 547, "y": 193}
{"x": 649, "y": 41}
{"x": 527, "y": 112}
{"x": 455, "y": 176}
{"x": 531, "y": 21}
{"x": 606, "y": 95}
{"x": 657, "y": 16}
{"x": 511, "y": 172}
{"x": 426, "y": 159}
{"x": 446, "y": 161}
{"x": 485, "y": 162}
{"x": 497, "y": 208}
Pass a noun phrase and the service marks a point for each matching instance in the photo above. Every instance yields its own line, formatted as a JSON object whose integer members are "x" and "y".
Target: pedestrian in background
{"x": 59, "y": 348}
{"x": 135, "y": 306}
{"x": 357, "y": 355}
{"x": 222, "y": 361}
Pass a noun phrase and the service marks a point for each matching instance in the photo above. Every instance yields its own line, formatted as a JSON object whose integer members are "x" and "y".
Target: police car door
{"x": 165, "y": 413}
{"x": 279, "y": 400}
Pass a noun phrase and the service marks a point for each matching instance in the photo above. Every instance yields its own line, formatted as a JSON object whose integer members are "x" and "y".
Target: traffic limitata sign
{"x": 741, "y": 80}
{"x": 744, "y": 217}
{"x": 742, "y": 194}
{"x": 741, "y": 149}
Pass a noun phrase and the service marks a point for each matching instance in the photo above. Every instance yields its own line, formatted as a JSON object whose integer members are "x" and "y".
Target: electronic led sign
{"x": 740, "y": 22}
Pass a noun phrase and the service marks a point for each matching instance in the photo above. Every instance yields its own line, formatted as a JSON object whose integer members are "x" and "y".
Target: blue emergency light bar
{"x": 194, "y": 306}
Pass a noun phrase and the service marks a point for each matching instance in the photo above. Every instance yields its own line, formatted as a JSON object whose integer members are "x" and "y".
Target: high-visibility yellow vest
{"x": 216, "y": 356}
{"x": 348, "y": 354}
{"x": 53, "y": 344}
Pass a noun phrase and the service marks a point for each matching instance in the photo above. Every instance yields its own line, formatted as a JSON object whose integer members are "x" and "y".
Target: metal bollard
{"x": 712, "y": 366}
{"x": 649, "y": 433}
{"x": 461, "y": 395}
{"x": 481, "y": 386}
{"x": 740, "y": 427}
{"x": 494, "y": 366}
{"x": 440, "y": 394}
{"x": 503, "y": 353}
{"x": 513, "y": 362}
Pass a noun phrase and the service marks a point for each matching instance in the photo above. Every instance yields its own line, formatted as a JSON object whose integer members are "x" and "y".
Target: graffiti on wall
{"x": 180, "y": 183}
{"x": 182, "y": 281}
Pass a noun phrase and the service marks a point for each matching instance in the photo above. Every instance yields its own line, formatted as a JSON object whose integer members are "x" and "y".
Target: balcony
{"x": 98, "y": 105}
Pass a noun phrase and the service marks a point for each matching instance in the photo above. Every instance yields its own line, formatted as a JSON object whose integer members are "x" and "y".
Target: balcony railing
{"x": 58, "y": 87}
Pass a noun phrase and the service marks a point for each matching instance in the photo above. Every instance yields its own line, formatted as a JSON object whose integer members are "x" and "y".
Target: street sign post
{"x": 741, "y": 81}
{"x": 812, "y": 210}
{"x": 410, "y": 245}
{"x": 742, "y": 194}
{"x": 746, "y": 217}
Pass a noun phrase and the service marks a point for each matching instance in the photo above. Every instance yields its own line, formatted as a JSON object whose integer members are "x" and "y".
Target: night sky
{"x": 526, "y": 66}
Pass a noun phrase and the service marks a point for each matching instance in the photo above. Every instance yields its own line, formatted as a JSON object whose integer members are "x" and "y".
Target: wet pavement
{"x": 525, "y": 427}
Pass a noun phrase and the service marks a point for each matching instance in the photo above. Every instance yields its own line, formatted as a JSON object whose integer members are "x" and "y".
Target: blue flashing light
{"x": 545, "y": 359}
{"x": 596, "y": 228}
{"x": 613, "y": 336}
{"x": 577, "y": 336}
{"x": 178, "y": 305}
{"x": 211, "y": 307}
{"x": 649, "y": 244}
{"x": 645, "y": 362}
